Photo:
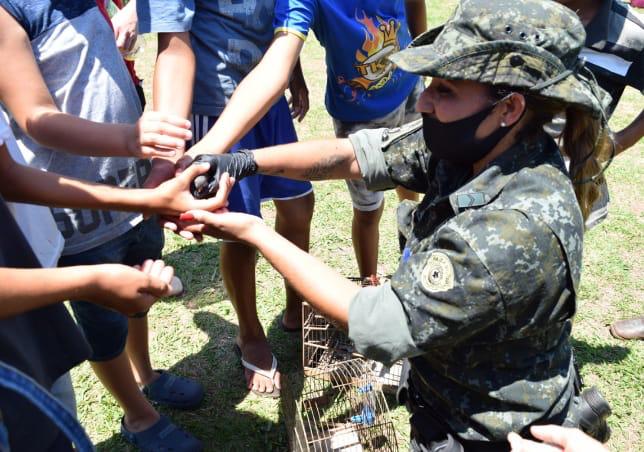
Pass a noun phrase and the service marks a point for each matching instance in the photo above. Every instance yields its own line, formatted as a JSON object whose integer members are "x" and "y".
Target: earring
{"x": 503, "y": 124}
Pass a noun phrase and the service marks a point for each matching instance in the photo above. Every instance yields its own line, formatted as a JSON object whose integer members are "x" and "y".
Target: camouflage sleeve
{"x": 479, "y": 273}
{"x": 378, "y": 309}
{"x": 391, "y": 157}
{"x": 367, "y": 145}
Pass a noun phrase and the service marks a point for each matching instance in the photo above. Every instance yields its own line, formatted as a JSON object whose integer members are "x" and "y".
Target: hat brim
{"x": 496, "y": 63}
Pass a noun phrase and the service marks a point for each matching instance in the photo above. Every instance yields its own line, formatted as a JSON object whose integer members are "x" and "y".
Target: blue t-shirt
{"x": 228, "y": 37}
{"x": 357, "y": 34}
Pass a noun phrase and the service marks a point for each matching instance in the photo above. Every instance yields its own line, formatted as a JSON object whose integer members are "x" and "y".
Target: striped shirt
{"x": 614, "y": 49}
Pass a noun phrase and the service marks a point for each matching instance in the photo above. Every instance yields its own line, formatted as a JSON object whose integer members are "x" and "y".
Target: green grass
{"x": 194, "y": 335}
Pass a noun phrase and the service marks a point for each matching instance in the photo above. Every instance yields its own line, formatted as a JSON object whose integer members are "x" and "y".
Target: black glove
{"x": 238, "y": 165}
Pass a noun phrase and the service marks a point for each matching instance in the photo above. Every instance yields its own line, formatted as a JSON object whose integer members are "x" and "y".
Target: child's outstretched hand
{"x": 158, "y": 135}
{"x": 173, "y": 196}
{"x": 129, "y": 290}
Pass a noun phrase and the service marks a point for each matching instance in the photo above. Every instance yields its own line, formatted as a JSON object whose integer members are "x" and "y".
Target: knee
{"x": 369, "y": 218}
{"x": 299, "y": 213}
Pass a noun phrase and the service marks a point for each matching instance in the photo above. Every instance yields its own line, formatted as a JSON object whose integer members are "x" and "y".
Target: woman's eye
{"x": 443, "y": 91}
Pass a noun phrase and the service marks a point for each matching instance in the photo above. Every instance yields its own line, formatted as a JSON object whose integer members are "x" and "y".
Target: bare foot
{"x": 259, "y": 354}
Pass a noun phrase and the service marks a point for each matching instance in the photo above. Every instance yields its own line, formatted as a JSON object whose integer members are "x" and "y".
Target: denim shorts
{"x": 104, "y": 329}
{"x": 362, "y": 198}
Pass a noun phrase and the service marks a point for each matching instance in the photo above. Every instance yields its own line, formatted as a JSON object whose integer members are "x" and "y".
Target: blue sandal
{"x": 163, "y": 436}
{"x": 174, "y": 391}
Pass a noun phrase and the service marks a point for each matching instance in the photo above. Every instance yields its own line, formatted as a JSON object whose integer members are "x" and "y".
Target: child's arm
{"x": 254, "y": 96}
{"x": 416, "y": 16}
{"x": 125, "y": 289}
{"x": 631, "y": 134}
{"x": 20, "y": 183}
{"x": 174, "y": 74}
{"x": 25, "y": 94}
{"x": 299, "y": 93}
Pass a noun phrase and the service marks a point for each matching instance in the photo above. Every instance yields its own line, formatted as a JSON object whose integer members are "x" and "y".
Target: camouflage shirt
{"x": 484, "y": 294}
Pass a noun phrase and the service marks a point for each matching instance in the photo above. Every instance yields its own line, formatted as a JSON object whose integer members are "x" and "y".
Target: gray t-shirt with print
{"x": 84, "y": 72}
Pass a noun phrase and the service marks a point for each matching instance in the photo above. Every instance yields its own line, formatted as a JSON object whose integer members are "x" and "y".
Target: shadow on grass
{"x": 226, "y": 421}
{"x": 586, "y": 353}
{"x": 219, "y": 423}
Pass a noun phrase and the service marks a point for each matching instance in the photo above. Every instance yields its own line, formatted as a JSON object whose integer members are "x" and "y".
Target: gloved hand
{"x": 238, "y": 165}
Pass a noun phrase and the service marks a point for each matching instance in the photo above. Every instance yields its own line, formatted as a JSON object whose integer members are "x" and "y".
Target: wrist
{"x": 130, "y": 139}
{"x": 257, "y": 233}
{"x": 151, "y": 200}
{"x": 89, "y": 280}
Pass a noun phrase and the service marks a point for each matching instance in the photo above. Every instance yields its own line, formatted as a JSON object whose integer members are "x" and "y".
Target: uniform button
{"x": 385, "y": 136}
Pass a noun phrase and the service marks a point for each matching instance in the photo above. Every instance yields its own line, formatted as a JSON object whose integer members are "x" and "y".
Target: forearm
{"x": 174, "y": 74}
{"x": 311, "y": 160}
{"x": 631, "y": 134}
{"x": 416, "y": 16}
{"x": 298, "y": 74}
{"x": 321, "y": 286}
{"x": 253, "y": 97}
{"x": 23, "y": 290}
{"x": 24, "y": 184}
{"x": 81, "y": 137}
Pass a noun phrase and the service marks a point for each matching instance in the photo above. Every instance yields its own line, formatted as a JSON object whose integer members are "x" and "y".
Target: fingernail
{"x": 186, "y": 217}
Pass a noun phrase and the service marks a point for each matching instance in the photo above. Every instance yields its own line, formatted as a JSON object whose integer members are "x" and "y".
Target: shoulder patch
{"x": 438, "y": 274}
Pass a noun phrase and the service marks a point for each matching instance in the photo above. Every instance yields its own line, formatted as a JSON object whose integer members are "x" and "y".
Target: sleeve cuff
{"x": 378, "y": 325}
{"x": 165, "y": 27}
{"x": 292, "y": 31}
{"x": 367, "y": 145}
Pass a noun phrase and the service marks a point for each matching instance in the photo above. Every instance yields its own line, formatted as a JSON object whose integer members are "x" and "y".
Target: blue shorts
{"x": 104, "y": 329}
{"x": 276, "y": 127}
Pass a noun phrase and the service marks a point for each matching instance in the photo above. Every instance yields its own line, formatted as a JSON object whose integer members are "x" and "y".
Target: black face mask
{"x": 455, "y": 142}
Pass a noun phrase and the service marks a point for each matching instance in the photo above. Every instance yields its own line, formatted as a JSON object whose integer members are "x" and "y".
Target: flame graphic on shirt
{"x": 381, "y": 40}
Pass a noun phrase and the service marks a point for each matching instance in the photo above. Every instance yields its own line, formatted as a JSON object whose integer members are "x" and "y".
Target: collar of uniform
{"x": 482, "y": 189}
{"x": 599, "y": 27}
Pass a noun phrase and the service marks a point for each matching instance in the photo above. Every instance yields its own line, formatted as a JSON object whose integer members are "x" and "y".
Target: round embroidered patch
{"x": 438, "y": 274}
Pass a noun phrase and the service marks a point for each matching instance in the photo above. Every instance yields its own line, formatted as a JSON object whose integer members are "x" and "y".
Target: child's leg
{"x": 138, "y": 350}
{"x": 367, "y": 211}
{"x": 365, "y": 235}
{"x": 147, "y": 243}
{"x": 293, "y": 221}
{"x": 116, "y": 376}
{"x": 238, "y": 263}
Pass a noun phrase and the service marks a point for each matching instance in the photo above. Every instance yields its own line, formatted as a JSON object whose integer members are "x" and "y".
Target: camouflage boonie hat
{"x": 531, "y": 45}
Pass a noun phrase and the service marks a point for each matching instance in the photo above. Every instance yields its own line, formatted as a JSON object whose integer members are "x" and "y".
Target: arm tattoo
{"x": 325, "y": 167}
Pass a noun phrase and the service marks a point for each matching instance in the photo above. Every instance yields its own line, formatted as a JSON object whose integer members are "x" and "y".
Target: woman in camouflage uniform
{"x": 483, "y": 298}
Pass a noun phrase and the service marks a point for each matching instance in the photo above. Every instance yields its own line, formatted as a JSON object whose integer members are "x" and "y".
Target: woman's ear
{"x": 512, "y": 109}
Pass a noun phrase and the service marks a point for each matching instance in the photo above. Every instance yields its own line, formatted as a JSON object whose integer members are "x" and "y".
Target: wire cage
{"x": 324, "y": 345}
{"x": 342, "y": 409}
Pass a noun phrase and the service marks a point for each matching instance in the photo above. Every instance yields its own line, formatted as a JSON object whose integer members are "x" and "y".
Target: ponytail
{"x": 589, "y": 146}
{"x": 586, "y": 141}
